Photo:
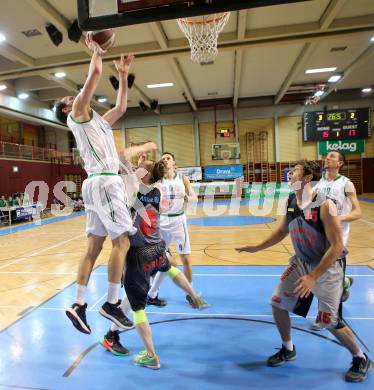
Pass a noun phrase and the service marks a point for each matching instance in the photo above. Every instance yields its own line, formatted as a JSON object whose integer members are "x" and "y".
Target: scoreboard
{"x": 337, "y": 124}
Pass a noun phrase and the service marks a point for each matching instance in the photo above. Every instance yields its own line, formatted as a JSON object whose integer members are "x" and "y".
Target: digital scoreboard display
{"x": 337, "y": 124}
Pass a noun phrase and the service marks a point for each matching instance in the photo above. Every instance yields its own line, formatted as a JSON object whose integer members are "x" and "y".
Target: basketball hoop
{"x": 226, "y": 155}
{"x": 202, "y": 36}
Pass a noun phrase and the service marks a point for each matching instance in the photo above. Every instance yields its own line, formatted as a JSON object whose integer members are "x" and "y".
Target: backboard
{"x": 228, "y": 151}
{"x": 100, "y": 14}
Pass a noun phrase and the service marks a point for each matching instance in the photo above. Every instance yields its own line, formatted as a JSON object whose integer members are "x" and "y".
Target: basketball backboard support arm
{"x": 143, "y": 11}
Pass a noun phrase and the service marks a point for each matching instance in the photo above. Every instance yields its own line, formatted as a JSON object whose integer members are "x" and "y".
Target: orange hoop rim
{"x": 209, "y": 21}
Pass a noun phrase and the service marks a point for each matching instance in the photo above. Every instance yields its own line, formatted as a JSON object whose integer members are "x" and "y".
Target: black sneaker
{"x": 359, "y": 369}
{"x": 281, "y": 357}
{"x": 111, "y": 342}
{"x": 77, "y": 315}
{"x": 348, "y": 281}
{"x": 190, "y": 300}
{"x": 113, "y": 312}
{"x": 156, "y": 301}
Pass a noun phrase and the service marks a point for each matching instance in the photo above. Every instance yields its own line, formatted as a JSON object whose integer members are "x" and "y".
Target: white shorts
{"x": 328, "y": 290}
{"x": 175, "y": 229}
{"x": 106, "y": 207}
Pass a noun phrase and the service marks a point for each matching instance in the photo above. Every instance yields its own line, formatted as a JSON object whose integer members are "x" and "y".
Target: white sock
{"x": 125, "y": 306}
{"x": 360, "y": 354}
{"x": 158, "y": 279}
{"x": 288, "y": 345}
{"x": 114, "y": 327}
{"x": 81, "y": 294}
{"x": 113, "y": 292}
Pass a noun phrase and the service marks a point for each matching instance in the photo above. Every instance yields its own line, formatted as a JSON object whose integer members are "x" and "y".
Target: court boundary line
{"x": 23, "y": 387}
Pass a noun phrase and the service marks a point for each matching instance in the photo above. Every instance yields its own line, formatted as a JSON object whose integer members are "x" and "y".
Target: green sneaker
{"x": 112, "y": 343}
{"x": 281, "y": 357}
{"x": 348, "y": 281}
{"x": 359, "y": 369}
{"x": 144, "y": 360}
{"x": 200, "y": 303}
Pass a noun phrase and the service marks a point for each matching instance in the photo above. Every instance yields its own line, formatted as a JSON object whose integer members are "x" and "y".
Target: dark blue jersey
{"x": 307, "y": 231}
{"x": 146, "y": 217}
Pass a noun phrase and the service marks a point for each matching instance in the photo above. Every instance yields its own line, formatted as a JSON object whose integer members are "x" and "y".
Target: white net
{"x": 226, "y": 155}
{"x": 202, "y": 36}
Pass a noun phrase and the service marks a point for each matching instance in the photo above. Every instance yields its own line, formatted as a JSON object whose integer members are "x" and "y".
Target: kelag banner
{"x": 342, "y": 146}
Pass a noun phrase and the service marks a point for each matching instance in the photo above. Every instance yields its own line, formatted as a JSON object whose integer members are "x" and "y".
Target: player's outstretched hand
{"x": 92, "y": 45}
{"x": 124, "y": 64}
{"x": 248, "y": 248}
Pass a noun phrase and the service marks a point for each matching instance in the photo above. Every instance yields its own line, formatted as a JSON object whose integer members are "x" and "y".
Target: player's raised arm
{"x": 355, "y": 212}
{"x": 81, "y": 107}
{"x": 123, "y": 67}
{"x": 129, "y": 153}
{"x": 190, "y": 193}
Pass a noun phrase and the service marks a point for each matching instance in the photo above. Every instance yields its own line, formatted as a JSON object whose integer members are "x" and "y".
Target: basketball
{"x": 105, "y": 38}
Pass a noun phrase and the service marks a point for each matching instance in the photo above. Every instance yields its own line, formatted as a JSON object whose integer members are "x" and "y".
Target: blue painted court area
{"x": 365, "y": 199}
{"x": 222, "y": 347}
{"x": 229, "y": 221}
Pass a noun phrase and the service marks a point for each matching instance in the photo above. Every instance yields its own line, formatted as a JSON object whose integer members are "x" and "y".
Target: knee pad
{"x": 172, "y": 272}
{"x": 140, "y": 317}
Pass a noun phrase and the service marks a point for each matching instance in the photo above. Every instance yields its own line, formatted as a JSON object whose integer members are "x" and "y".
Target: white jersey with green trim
{"x": 96, "y": 145}
{"x": 173, "y": 192}
{"x": 337, "y": 190}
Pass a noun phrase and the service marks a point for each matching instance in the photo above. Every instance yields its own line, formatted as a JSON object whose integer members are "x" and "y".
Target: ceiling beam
{"x": 162, "y": 40}
{"x": 359, "y": 60}
{"x": 51, "y": 14}
{"x": 182, "y": 81}
{"x": 44, "y": 9}
{"x": 52, "y": 94}
{"x": 145, "y": 98}
{"x": 258, "y": 37}
{"x": 33, "y": 84}
{"x": 328, "y": 16}
{"x": 242, "y": 24}
{"x": 11, "y": 53}
{"x": 330, "y": 13}
{"x": 136, "y": 88}
{"x": 14, "y": 54}
{"x": 222, "y": 45}
{"x": 70, "y": 86}
{"x": 159, "y": 34}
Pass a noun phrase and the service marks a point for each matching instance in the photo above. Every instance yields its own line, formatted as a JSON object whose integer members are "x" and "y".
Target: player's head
{"x": 154, "y": 171}
{"x": 335, "y": 160}
{"x": 168, "y": 159}
{"x": 63, "y": 108}
{"x": 305, "y": 171}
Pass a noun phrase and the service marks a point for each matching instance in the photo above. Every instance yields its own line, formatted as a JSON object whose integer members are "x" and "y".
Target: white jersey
{"x": 95, "y": 143}
{"x": 173, "y": 192}
{"x": 337, "y": 190}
